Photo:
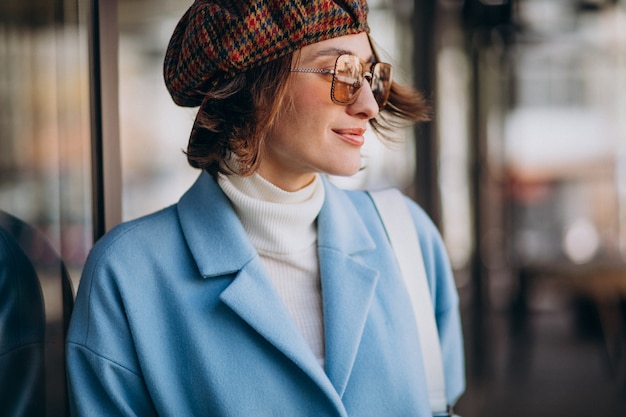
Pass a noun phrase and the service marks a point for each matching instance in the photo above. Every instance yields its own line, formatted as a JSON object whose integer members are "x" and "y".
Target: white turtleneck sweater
{"x": 281, "y": 225}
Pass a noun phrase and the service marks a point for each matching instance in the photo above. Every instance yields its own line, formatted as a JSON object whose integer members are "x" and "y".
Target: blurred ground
{"x": 552, "y": 360}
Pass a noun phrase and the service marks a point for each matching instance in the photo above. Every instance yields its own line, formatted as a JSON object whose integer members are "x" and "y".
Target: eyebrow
{"x": 335, "y": 52}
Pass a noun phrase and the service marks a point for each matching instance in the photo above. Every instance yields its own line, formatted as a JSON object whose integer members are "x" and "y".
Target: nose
{"x": 365, "y": 105}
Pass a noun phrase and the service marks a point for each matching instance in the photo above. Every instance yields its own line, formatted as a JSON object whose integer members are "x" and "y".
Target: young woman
{"x": 266, "y": 291}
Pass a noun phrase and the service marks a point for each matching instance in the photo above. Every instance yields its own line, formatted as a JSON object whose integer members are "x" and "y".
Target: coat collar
{"x": 211, "y": 226}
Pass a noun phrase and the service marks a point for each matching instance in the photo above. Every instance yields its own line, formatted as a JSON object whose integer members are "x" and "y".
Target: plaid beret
{"x": 220, "y": 38}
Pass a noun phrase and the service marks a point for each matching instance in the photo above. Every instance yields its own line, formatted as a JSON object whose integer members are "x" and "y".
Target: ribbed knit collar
{"x": 277, "y": 221}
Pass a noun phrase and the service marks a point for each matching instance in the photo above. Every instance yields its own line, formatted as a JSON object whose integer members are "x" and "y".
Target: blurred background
{"x": 523, "y": 169}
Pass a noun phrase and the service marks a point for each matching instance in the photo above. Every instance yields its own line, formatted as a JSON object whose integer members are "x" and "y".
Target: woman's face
{"x": 312, "y": 134}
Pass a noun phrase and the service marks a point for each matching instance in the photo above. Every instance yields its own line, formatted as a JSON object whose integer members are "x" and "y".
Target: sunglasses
{"x": 348, "y": 76}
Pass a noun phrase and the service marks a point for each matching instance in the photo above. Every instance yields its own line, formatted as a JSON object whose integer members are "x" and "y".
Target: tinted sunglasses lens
{"x": 347, "y": 80}
{"x": 381, "y": 82}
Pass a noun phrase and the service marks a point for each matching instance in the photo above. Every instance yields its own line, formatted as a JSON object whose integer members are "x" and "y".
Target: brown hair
{"x": 237, "y": 113}
{"x": 234, "y": 118}
{"x": 405, "y": 104}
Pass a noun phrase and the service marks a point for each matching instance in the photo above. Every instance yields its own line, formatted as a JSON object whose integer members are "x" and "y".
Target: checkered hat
{"x": 220, "y": 38}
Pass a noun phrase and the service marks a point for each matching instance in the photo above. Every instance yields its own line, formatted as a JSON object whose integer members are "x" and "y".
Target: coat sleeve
{"x": 445, "y": 301}
{"x": 104, "y": 377}
{"x": 101, "y": 387}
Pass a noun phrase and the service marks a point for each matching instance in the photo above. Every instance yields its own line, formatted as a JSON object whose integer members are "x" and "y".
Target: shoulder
{"x": 426, "y": 228}
{"x": 146, "y": 230}
{"x": 121, "y": 266}
{"x": 135, "y": 248}
{"x": 434, "y": 252}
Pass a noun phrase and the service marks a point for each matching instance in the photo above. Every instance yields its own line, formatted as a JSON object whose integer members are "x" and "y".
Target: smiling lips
{"x": 352, "y": 135}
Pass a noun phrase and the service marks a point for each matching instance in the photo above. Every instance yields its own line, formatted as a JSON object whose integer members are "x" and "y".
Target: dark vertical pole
{"x": 482, "y": 20}
{"x": 426, "y": 157}
{"x": 95, "y": 84}
{"x": 478, "y": 273}
{"x": 106, "y": 163}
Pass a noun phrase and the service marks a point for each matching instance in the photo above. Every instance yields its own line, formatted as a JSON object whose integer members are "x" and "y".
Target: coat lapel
{"x": 212, "y": 227}
{"x": 220, "y": 246}
{"x": 253, "y": 297}
{"x": 348, "y": 283}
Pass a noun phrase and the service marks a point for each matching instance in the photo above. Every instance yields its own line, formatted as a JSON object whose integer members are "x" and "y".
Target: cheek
{"x": 307, "y": 108}
{"x": 310, "y": 92}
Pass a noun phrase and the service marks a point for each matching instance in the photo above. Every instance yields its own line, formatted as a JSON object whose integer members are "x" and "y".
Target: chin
{"x": 342, "y": 165}
{"x": 345, "y": 172}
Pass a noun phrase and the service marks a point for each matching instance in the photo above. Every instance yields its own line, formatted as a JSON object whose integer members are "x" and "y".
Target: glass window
{"x": 149, "y": 119}
{"x": 45, "y": 193}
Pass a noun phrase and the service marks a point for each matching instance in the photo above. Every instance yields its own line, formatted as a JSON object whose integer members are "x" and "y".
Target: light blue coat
{"x": 175, "y": 316}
